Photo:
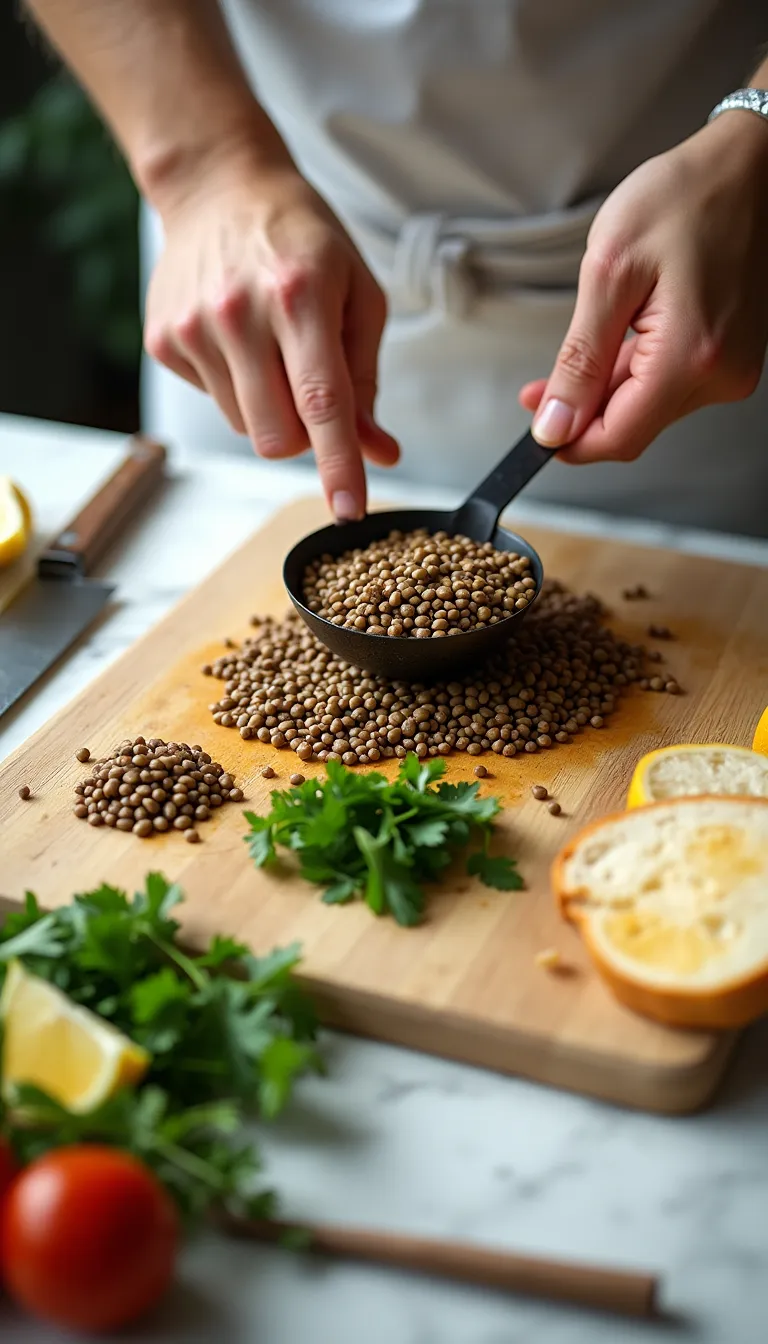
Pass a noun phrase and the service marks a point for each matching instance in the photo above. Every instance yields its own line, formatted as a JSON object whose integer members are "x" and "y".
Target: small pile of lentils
{"x": 560, "y": 672}
{"x": 419, "y": 585}
{"x": 151, "y": 786}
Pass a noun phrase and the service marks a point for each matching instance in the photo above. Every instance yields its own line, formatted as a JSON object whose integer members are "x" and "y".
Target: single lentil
{"x": 660, "y": 632}
{"x": 480, "y": 771}
{"x": 296, "y": 780}
{"x": 540, "y": 792}
{"x": 25, "y": 792}
{"x": 83, "y": 755}
{"x": 555, "y": 809}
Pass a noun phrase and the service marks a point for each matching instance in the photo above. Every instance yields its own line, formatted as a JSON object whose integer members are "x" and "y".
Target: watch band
{"x": 746, "y": 100}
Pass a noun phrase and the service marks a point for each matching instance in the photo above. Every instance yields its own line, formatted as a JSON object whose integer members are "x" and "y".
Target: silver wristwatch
{"x": 748, "y": 100}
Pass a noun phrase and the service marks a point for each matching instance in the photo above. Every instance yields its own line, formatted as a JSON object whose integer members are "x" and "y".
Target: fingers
{"x": 364, "y": 319}
{"x": 611, "y": 289}
{"x": 258, "y": 378}
{"x": 199, "y": 347}
{"x": 647, "y": 392}
{"x": 308, "y": 321}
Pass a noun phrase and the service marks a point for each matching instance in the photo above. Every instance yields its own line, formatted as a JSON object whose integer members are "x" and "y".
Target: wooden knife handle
{"x": 87, "y": 536}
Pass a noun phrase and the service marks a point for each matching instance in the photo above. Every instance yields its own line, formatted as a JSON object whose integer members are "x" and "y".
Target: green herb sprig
{"x": 228, "y": 1033}
{"x": 360, "y": 835}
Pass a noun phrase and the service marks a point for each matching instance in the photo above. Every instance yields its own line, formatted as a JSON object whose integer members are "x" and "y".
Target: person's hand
{"x": 676, "y": 262}
{"x": 261, "y": 299}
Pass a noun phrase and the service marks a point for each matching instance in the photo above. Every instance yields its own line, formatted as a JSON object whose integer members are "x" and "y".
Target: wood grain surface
{"x": 465, "y": 984}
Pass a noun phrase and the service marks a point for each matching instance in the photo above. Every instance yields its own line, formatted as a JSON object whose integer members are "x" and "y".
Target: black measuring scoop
{"x": 424, "y": 660}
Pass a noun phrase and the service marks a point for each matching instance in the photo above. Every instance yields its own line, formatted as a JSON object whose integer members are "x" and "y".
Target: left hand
{"x": 676, "y": 258}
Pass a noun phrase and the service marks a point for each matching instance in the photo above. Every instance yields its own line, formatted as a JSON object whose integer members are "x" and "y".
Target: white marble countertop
{"x": 396, "y": 1139}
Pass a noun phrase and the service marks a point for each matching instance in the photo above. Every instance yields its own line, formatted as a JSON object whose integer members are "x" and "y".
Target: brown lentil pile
{"x": 560, "y": 672}
{"x": 151, "y": 786}
{"x": 419, "y": 585}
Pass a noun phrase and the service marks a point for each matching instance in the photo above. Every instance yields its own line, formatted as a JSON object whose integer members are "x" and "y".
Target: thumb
{"x": 608, "y": 297}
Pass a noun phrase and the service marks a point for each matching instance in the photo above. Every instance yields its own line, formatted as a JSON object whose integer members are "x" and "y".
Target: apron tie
{"x": 444, "y": 264}
{"x": 429, "y": 268}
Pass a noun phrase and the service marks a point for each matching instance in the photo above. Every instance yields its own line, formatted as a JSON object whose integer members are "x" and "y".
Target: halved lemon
{"x": 66, "y": 1050}
{"x": 690, "y": 770}
{"x": 760, "y": 740}
{"x": 15, "y": 521}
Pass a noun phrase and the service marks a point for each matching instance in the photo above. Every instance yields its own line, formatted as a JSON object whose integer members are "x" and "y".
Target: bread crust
{"x": 735, "y": 1003}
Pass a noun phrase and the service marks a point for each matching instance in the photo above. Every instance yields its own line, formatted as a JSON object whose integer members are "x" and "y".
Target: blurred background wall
{"x": 69, "y": 268}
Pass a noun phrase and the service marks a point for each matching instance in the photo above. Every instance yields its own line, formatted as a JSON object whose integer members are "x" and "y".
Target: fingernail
{"x": 553, "y": 424}
{"x": 345, "y": 507}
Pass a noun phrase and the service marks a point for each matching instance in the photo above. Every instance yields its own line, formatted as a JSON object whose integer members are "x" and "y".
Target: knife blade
{"x": 60, "y": 602}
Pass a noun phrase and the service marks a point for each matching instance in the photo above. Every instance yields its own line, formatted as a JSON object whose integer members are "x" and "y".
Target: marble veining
{"x": 396, "y": 1139}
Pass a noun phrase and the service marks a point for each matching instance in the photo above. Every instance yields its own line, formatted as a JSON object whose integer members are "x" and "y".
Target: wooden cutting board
{"x": 465, "y": 984}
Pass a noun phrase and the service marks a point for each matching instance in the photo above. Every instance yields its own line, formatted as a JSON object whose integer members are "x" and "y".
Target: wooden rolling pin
{"x": 621, "y": 1291}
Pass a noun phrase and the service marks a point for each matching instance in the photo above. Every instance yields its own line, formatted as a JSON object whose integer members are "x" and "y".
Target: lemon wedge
{"x": 690, "y": 770}
{"x": 66, "y": 1050}
{"x": 760, "y": 740}
{"x": 15, "y": 521}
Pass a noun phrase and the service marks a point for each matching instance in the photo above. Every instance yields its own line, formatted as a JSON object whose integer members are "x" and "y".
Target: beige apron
{"x": 466, "y": 144}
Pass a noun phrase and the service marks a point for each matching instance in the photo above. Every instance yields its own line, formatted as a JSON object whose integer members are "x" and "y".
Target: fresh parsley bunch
{"x": 360, "y": 835}
{"x": 228, "y": 1033}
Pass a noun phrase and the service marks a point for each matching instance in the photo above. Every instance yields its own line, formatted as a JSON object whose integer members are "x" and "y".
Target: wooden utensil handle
{"x": 623, "y": 1291}
{"x": 87, "y": 536}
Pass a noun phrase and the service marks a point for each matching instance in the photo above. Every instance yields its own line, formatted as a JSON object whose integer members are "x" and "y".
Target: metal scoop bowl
{"x": 424, "y": 660}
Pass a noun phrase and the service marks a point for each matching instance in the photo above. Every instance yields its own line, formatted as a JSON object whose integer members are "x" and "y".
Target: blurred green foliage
{"x": 61, "y": 175}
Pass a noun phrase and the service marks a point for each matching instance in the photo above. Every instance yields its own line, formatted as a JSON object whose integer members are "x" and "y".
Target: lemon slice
{"x": 688, "y": 771}
{"x": 66, "y": 1050}
{"x": 15, "y": 521}
{"x": 760, "y": 740}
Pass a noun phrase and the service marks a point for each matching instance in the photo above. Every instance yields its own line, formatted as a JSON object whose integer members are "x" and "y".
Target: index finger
{"x": 310, "y": 330}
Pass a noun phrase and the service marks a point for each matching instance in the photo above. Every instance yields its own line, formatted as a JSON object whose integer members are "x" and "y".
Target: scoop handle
{"x": 478, "y": 516}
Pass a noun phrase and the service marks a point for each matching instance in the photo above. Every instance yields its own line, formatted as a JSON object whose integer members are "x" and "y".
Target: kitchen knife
{"x": 60, "y": 602}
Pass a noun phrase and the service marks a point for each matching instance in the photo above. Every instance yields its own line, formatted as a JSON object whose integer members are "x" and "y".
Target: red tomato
{"x": 88, "y": 1238}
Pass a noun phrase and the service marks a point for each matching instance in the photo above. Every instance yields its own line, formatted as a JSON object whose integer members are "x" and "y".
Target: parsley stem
{"x": 188, "y": 1162}
{"x": 199, "y": 978}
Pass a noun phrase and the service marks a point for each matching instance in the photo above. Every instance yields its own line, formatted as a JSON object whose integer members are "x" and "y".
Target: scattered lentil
{"x": 637, "y": 594}
{"x": 151, "y": 786}
{"x": 540, "y": 792}
{"x": 192, "y": 837}
{"x": 548, "y": 959}
{"x": 296, "y": 780}
{"x": 555, "y": 809}
{"x": 561, "y": 670}
{"x": 660, "y": 632}
{"x": 417, "y": 585}
{"x": 480, "y": 771}
{"x": 268, "y": 772}
{"x": 25, "y": 792}
{"x": 83, "y": 755}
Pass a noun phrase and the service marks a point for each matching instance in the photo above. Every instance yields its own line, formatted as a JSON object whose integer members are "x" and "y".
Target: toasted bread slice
{"x": 672, "y": 903}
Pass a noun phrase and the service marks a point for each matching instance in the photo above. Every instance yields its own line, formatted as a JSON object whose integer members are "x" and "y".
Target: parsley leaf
{"x": 224, "y": 1047}
{"x": 360, "y": 835}
{"x": 500, "y": 872}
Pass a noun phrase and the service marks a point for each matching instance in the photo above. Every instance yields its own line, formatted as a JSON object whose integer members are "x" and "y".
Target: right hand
{"x": 261, "y": 299}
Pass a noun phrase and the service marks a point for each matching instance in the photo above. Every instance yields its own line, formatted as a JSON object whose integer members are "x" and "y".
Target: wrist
{"x": 171, "y": 169}
{"x": 741, "y": 137}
